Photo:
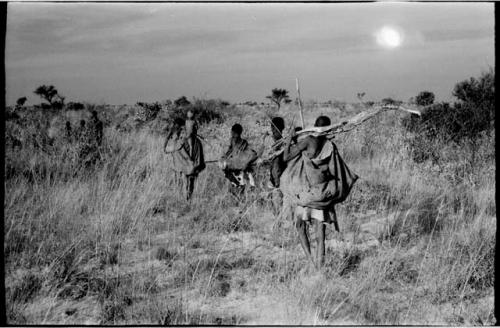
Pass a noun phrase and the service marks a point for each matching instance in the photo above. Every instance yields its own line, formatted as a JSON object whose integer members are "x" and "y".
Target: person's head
{"x": 94, "y": 115}
{"x": 322, "y": 121}
{"x": 236, "y": 131}
{"x": 190, "y": 114}
{"x": 277, "y": 126}
{"x": 82, "y": 123}
{"x": 68, "y": 125}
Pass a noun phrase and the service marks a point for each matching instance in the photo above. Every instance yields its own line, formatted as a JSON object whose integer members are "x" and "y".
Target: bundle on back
{"x": 241, "y": 160}
{"x": 318, "y": 183}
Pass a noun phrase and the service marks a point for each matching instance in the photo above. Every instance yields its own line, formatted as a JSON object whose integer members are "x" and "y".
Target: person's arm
{"x": 293, "y": 151}
{"x": 100, "y": 131}
{"x": 167, "y": 138}
{"x": 229, "y": 150}
{"x": 243, "y": 145}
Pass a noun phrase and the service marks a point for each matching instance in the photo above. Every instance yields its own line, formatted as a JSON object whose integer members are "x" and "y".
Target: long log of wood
{"x": 344, "y": 126}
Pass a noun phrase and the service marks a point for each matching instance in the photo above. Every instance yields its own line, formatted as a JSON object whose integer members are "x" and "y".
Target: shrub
{"x": 181, "y": 102}
{"x": 75, "y": 106}
{"x": 464, "y": 122}
{"x": 148, "y": 111}
{"x": 21, "y": 101}
{"x": 425, "y": 98}
{"x": 210, "y": 110}
{"x": 205, "y": 111}
{"x": 10, "y": 114}
{"x": 390, "y": 101}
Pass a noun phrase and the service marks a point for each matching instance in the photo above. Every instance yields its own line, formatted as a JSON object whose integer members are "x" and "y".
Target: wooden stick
{"x": 300, "y": 103}
{"x": 330, "y": 131}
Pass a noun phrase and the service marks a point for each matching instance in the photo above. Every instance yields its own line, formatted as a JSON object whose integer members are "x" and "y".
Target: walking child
{"x": 238, "y": 159}
{"x": 187, "y": 151}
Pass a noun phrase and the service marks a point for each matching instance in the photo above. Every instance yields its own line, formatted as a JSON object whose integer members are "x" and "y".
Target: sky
{"x": 124, "y": 53}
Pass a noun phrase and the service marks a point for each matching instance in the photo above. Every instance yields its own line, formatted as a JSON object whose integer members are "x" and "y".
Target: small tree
{"x": 21, "y": 101}
{"x": 478, "y": 92}
{"x": 50, "y": 94}
{"x": 425, "y": 98}
{"x": 46, "y": 92}
{"x": 182, "y": 102}
{"x": 279, "y": 95}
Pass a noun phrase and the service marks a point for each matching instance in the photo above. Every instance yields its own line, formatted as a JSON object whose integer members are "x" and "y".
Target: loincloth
{"x": 307, "y": 213}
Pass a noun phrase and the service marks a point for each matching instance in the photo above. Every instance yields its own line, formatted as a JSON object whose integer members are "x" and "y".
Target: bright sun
{"x": 388, "y": 37}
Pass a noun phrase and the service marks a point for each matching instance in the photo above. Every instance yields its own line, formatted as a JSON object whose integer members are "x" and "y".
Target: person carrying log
{"x": 315, "y": 179}
{"x": 186, "y": 149}
{"x": 237, "y": 161}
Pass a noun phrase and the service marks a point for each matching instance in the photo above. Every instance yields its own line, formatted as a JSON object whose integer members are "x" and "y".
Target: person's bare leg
{"x": 190, "y": 186}
{"x": 179, "y": 181}
{"x": 301, "y": 226}
{"x": 276, "y": 201}
{"x": 251, "y": 180}
{"x": 320, "y": 244}
{"x": 176, "y": 180}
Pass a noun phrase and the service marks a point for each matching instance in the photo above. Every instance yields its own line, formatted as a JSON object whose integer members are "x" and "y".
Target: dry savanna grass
{"x": 116, "y": 243}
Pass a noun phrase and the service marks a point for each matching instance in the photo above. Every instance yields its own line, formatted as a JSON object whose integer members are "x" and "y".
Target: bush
{"x": 390, "y": 101}
{"x": 425, "y": 98}
{"x": 75, "y": 106}
{"x": 205, "y": 111}
{"x": 21, "y": 101}
{"x": 181, "y": 102}
{"x": 148, "y": 111}
{"x": 10, "y": 114}
{"x": 462, "y": 123}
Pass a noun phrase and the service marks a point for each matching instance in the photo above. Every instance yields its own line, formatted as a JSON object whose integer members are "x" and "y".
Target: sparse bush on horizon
{"x": 278, "y": 96}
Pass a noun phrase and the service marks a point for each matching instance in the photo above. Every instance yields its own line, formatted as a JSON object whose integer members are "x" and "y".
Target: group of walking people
{"x": 309, "y": 175}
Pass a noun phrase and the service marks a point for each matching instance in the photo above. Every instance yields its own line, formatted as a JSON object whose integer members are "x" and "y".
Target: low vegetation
{"x": 115, "y": 243}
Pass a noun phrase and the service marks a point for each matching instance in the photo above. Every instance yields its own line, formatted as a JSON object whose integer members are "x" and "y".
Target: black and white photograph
{"x": 249, "y": 163}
